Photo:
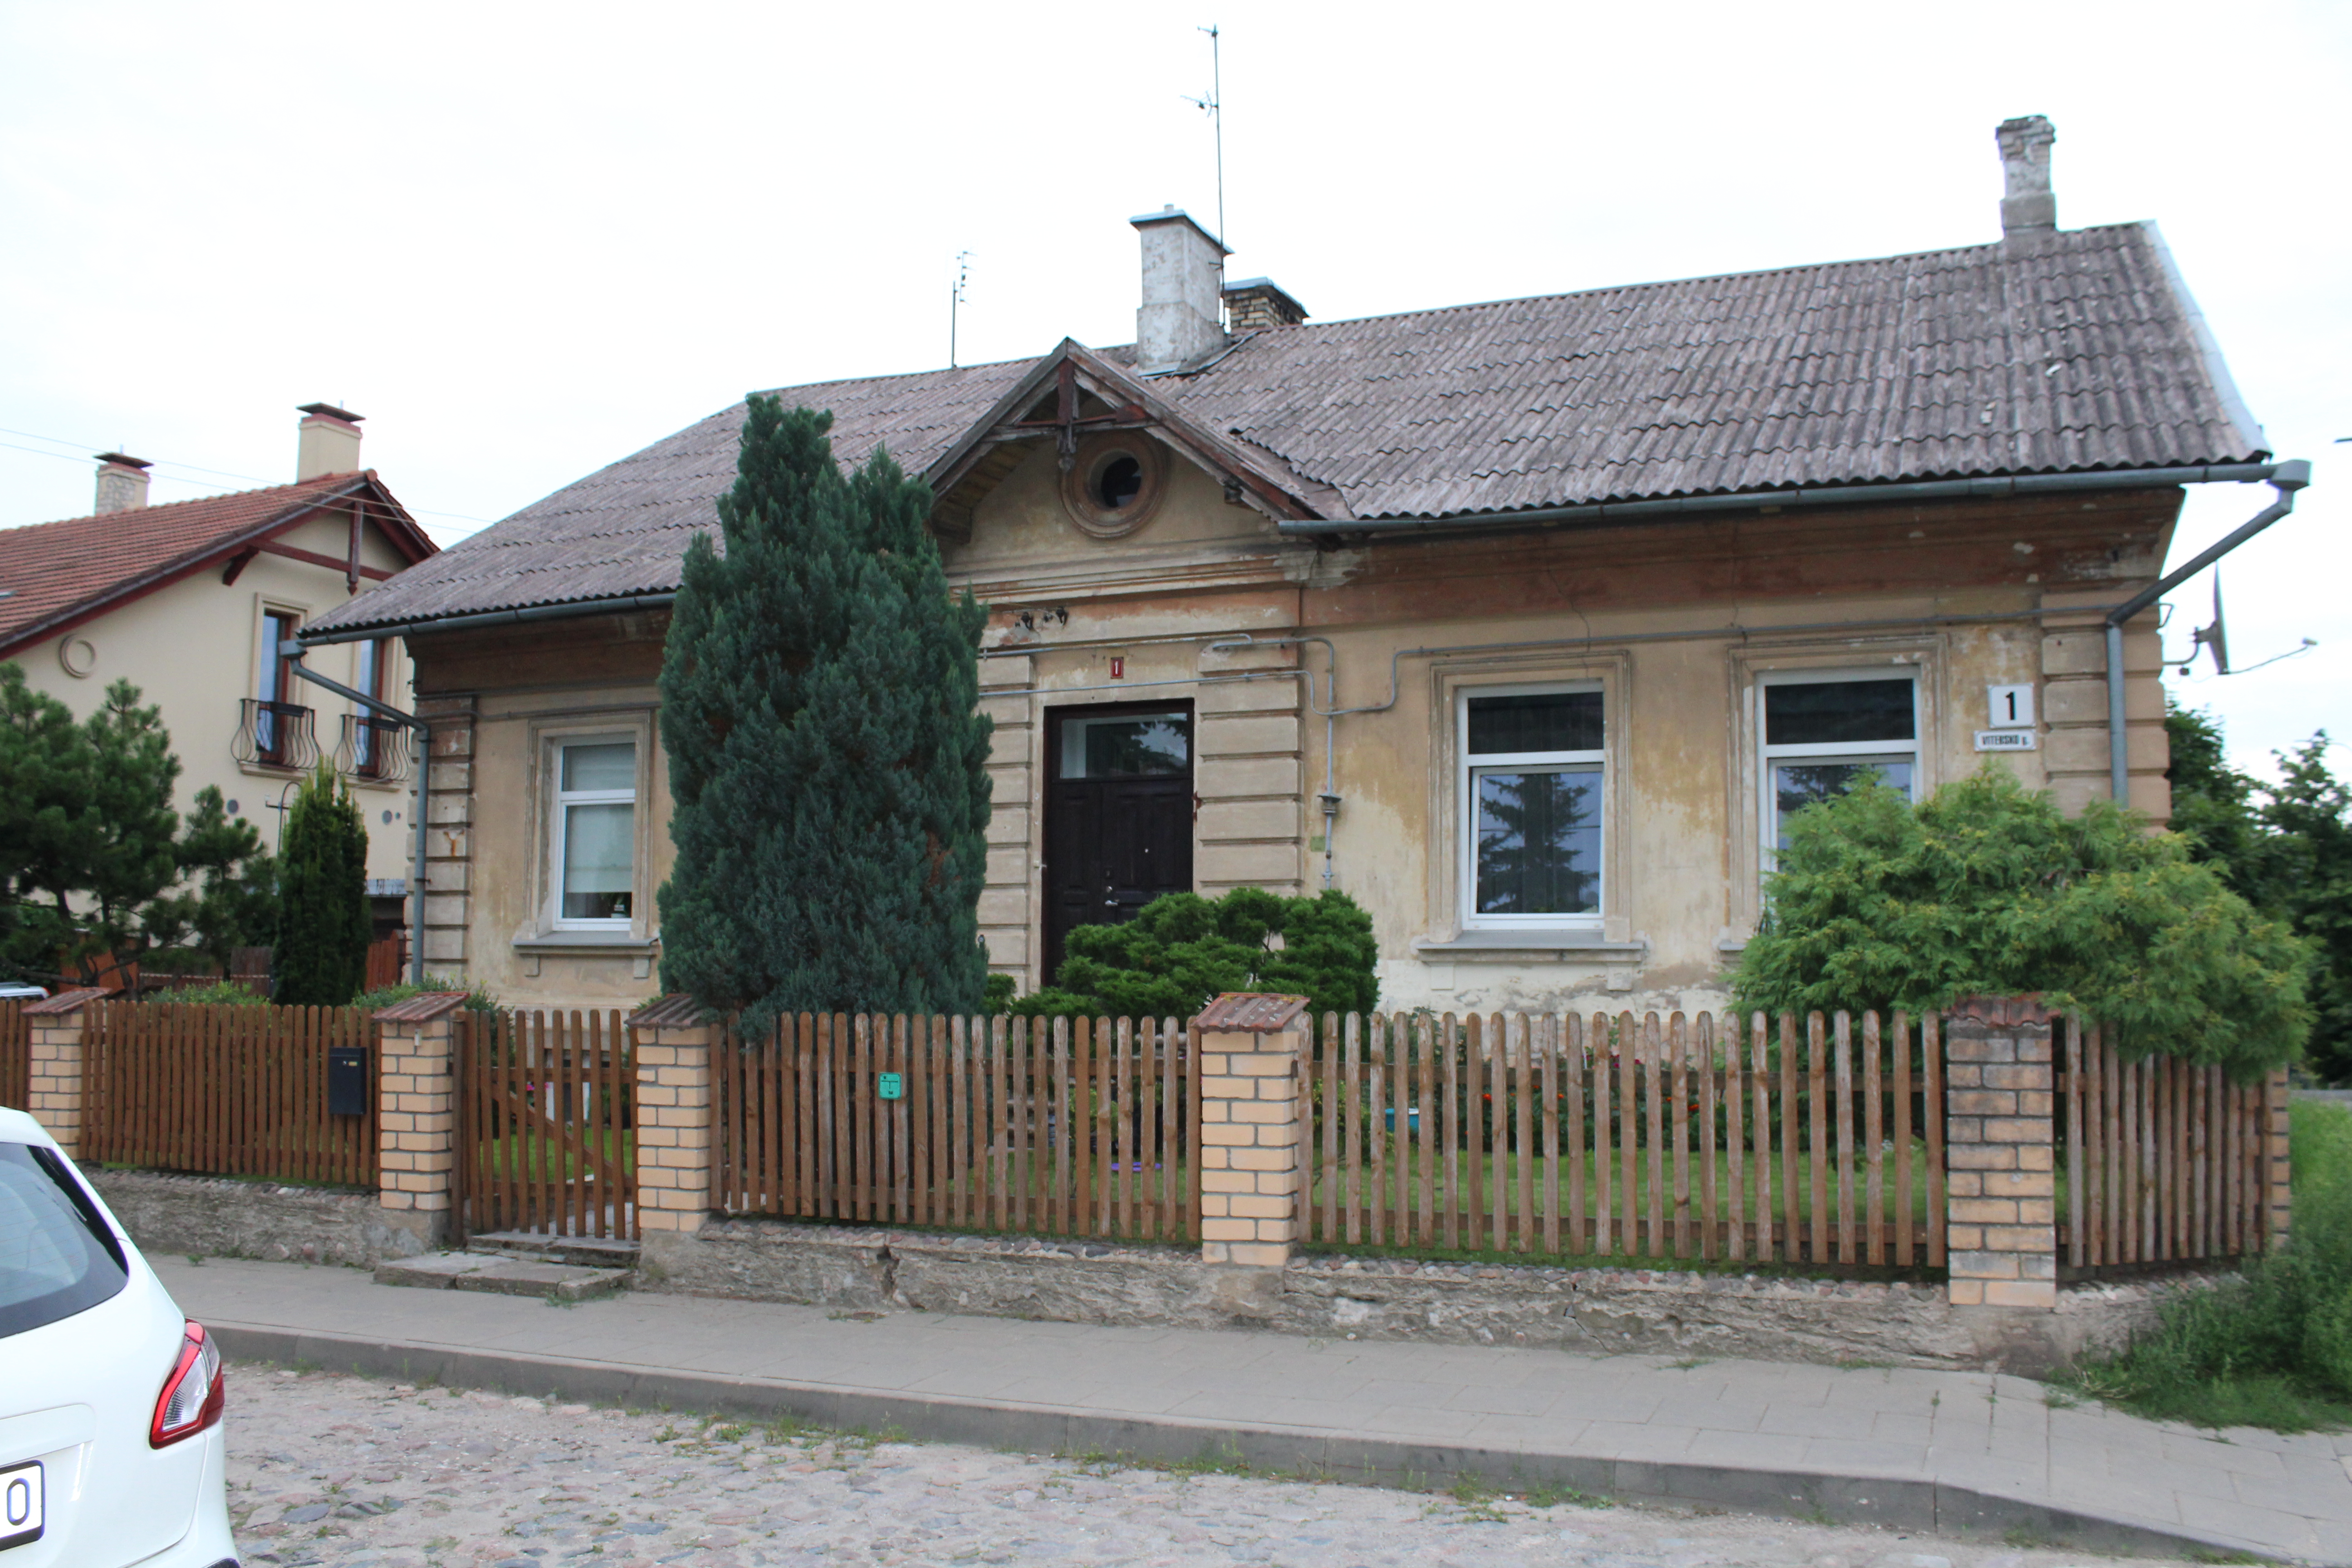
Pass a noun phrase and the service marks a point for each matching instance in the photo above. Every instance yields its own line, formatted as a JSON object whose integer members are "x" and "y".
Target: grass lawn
{"x": 533, "y": 1156}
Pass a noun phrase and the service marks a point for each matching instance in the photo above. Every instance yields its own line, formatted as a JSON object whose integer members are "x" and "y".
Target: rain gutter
{"x": 432, "y": 623}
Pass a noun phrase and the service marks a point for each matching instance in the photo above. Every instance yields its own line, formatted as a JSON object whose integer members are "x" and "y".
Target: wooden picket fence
{"x": 15, "y": 1055}
{"x": 223, "y": 1091}
{"x": 546, "y": 1124}
{"x": 2164, "y": 1158}
{"x": 1561, "y": 1136}
{"x": 1080, "y": 1127}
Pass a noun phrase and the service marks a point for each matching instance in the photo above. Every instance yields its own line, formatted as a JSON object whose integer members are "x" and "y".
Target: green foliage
{"x": 2286, "y": 849}
{"x": 1182, "y": 951}
{"x": 90, "y": 843}
{"x": 2272, "y": 1348}
{"x": 1985, "y": 887}
{"x": 998, "y": 995}
{"x": 323, "y": 926}
{"x": 827, "y": 763}
{"x": 229, "y": 993}
{"x": 228, "y": 898}
{"x": 477, "y": 998}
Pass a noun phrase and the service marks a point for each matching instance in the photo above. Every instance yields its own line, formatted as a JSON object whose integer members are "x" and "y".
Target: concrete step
{"x": 578, "y": 1251}
{"x": 502, "y": 1275}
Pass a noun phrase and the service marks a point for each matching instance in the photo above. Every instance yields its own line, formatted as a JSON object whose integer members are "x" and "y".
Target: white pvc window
{"x": 1824, "y": 731}
{"x": 1531, "y": 788}
{"x": 595, "y": 834}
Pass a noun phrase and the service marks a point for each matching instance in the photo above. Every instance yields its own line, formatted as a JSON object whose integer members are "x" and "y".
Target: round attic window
{"x": 1115, "y": 484}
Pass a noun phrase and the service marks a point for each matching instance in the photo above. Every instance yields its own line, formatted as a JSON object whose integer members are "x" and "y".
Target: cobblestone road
{"x": 353, "y": 1473}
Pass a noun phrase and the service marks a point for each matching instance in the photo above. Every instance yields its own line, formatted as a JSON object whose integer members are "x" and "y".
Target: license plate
{"x": 21, "y": 1505}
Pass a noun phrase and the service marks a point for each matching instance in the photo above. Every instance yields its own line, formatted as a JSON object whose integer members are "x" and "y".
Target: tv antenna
{"x": 1213, "y": 106}
{"x": 2215, "y": 639}
{"x": 955, "y": 300}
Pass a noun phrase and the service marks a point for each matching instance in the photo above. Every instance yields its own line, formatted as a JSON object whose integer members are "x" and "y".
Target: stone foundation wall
{"x": 216, "y": 1217}
{"x": 1591, "y": 1312}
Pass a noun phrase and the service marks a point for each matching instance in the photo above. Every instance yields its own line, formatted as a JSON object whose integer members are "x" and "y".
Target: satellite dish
{"x": 2215, "y": 637}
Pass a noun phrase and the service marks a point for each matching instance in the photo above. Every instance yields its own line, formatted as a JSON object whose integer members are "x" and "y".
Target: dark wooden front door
{"x": 1119, "y": 815}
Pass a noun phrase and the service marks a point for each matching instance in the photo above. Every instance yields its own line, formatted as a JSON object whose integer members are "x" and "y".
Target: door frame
{"x": 1056, "y": 715}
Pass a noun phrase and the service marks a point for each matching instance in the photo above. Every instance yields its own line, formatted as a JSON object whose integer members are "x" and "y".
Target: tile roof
{"x": 2080, "y": 349}
{"x": 53, "y": 571}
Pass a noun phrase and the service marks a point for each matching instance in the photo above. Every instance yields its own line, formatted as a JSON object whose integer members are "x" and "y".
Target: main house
{"x": 190, "y": 600}
{"x": 1526, "y": 623}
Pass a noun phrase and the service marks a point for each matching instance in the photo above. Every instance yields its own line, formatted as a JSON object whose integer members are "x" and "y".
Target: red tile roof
{"x": 56, "y": 574}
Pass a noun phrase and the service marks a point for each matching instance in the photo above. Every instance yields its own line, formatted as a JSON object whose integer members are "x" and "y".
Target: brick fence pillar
{"x": 2000, "y": 1154}
{"x": 56, "y": 1092}
{"x": 416, "y": 1115}
{"x": 1252, "y": 1128}
{"x": 674, "y": 1094}
{"x": 2278, "y": 1211}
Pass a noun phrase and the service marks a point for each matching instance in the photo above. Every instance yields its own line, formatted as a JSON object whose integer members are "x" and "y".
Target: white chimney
{"x": 329, "y": 442}
{"x": 2027, "y": 202}
{"x": 121, "y": 482}
{"x": 1179, "y": 322}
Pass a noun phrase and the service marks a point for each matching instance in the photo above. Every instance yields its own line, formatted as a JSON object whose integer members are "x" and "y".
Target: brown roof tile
{"x": 2080, "y": 350}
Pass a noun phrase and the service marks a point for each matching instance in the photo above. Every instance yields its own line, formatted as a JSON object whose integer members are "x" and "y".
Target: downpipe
{"x": 2285, "y": 479}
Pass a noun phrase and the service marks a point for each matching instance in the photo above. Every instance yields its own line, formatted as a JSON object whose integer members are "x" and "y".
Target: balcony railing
{"x": 374, "y": 748}
{"x": 275, "y": 735}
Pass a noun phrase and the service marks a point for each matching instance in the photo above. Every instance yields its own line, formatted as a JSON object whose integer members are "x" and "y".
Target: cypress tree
{"x": 820, "y": 689}
{"x": 323, "y": 928}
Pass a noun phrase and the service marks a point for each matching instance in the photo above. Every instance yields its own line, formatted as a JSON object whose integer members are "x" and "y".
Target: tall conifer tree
{"x": 819, "y": 690}
{"x": 320, "y": 959}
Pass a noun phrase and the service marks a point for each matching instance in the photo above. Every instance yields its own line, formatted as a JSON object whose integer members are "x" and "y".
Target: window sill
{"x": 1563, "y": 941}
{"x": 586, "y": 942}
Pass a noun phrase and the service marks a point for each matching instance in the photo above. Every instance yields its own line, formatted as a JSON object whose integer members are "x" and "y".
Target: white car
{"x": 111, "y": 1447}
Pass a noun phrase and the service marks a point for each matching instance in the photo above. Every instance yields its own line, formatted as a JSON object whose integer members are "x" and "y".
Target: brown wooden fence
{"x": 15, "y": 1055}
{"x": 546, "y": 1124}
{"x": 1637, "y": 1138}
{"x": 2164, "y": 1159}
{"x": 1082, "y": 1128}
{"x": 223, "y": 1091}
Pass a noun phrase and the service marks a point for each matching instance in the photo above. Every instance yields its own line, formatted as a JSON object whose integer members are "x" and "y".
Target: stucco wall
{"x": 195, "y": 649}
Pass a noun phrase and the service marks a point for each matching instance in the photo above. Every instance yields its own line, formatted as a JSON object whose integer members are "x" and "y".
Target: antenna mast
{"x": 955, "y": 300}
{"x": 1213, "y": 106}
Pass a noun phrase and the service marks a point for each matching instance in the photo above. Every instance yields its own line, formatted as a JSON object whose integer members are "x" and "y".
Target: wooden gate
{"x": 546, "y": 1124}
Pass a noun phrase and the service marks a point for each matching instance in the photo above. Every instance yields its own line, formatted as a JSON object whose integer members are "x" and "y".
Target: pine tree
{"x": 819, "y": 690}
{"x": 323, "y": 928}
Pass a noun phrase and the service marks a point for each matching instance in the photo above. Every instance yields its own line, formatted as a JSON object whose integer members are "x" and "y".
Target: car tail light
{"x": 193, "y": 1394}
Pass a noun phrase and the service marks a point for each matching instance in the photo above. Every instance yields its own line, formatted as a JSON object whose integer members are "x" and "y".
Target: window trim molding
{"x": 545, "y": 818}
{"x": 1452, "y": 891}
{"x": 1924, "y": 657}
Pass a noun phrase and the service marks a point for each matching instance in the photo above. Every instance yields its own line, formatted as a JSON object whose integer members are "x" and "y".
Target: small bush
{"x": 478, "y": 999}
{"x": 2273, "y": 1347}
{"x": 220, "y": 992}
{"x": 1182, "y": 951}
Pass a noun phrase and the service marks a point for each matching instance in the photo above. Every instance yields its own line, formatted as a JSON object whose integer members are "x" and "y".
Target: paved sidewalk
{"x": 1956, "y": 1453}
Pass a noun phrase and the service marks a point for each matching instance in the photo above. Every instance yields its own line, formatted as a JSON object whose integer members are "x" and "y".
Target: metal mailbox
{"x": 347, "y": 1081}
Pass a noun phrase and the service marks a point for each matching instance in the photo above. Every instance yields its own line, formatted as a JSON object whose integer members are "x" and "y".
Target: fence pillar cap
{"x": 423, "y": 1008}
{"x": 2002, "y": 1011}
{"x": 1250, "y": 1013}
{"x": 70, "y": 1001}
{"x": 678, "y": 1010}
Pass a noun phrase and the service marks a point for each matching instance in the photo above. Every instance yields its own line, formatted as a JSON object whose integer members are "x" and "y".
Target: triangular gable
{"x": 1048, "y": 404}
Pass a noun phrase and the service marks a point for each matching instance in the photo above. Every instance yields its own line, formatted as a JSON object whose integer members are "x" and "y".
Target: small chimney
{"x": 2027, "y": 203}
{"x": 1177, "y": 322}
{"x": 1254, "y": 304}
{"x": 329, "y": 443}
{"x": 121, "y": 482}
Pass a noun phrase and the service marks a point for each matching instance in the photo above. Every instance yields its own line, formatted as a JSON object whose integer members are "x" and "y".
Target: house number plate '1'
{"x": 2005, "y": 740}
{"x": 890, "y": 1086}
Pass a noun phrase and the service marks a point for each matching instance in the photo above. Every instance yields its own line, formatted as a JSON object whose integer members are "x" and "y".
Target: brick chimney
{"x": 1178, "y": 323}
{"x": 121, "y": 482}
{"x": 2028, "y": 206}
{"x": 1254, "y": 304}
{"x": 329, "y": 442}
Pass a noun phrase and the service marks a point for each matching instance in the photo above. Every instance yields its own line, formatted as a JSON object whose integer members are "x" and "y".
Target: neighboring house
{"x": 1524, "y": 622}
{"x": 188, "y": 602}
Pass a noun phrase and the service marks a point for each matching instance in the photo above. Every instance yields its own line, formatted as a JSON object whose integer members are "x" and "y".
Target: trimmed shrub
{"x": 1182, "y": 951}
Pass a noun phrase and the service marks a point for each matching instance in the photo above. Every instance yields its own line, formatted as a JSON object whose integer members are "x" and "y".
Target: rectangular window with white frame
{"x": 1823, "y": 730}
{"x": 595, "y": 824}
{"x": 1531, "y": 785}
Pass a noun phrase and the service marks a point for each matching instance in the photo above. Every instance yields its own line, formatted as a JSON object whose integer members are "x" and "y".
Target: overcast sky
{"x": 524, "y": 241}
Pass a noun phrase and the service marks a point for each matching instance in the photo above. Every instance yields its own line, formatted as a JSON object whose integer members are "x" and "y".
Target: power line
{"x": 162, "y": 463}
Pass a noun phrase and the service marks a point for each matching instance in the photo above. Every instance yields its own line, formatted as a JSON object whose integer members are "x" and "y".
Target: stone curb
{"x": 1844, "y": 1498}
